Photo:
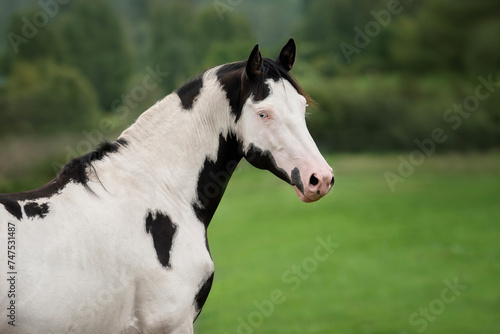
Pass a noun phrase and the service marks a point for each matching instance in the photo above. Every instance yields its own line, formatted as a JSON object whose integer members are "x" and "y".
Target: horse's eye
{"x": 262, "y": 115}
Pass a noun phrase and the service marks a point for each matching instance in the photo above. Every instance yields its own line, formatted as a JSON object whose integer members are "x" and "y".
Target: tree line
{"x": 385, "y": 73}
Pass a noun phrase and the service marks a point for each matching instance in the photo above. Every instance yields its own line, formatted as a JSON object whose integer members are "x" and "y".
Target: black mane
{"x": 76, "y": 169}
{"x": 190, "y": 91}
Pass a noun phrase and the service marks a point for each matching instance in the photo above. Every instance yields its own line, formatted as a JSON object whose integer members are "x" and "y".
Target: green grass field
{"x": 422, "y": 259}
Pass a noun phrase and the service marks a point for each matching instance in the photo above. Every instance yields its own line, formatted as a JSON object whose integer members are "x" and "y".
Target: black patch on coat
{"x": 202, "y": 294}
{"x": 214, "y": 177}
{"x": 239, "y": 87}
{"x": 296, "y": 180}
{"x": 33, "y": 209}
{"x": 11, "y": 205}
{"x": 75, "y": 171}
{"x": 162, "y": 230}
{"x": 189, "y": 92}
{"x": 265, "y": 160}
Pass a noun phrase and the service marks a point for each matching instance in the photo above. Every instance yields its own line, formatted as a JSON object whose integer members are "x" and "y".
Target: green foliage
{"x": 171, "y": 45}
{"x": 376, "y": 112}
{"x": 398, "y": 84}
{"x": 450, "y": 36}
{"x": 44, "y": 97}
{"x": 408, "y": 62}
{"x": 31, "y": 42}
{"x": 426, "y": 36}
{"x": 94, "y": 43}
{"x": 219, "y": 42}
{"x": 186, "y": 49}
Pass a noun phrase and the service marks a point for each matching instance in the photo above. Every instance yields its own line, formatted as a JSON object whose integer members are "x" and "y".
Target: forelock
{"x": 272, "y": 69}
{"x": 238, "y": 89}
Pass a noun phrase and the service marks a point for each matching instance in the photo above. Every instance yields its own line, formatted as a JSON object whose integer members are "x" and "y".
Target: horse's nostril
{"x": 314, "y": 180}
{"x": 332, "y": 182}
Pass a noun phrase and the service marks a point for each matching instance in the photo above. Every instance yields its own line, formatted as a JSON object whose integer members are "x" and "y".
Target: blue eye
{"x": 262, "y": 115}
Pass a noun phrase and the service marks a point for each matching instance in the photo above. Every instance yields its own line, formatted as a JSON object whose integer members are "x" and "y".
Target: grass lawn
{"x": 424, "y": 258}
{"x": 365, "y": 259}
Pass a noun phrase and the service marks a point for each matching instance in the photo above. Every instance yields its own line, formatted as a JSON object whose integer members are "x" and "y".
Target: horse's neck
{"x": 185, "y": 156}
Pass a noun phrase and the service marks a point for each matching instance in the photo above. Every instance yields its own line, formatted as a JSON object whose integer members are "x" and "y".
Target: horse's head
{"x": 269, "y": 108}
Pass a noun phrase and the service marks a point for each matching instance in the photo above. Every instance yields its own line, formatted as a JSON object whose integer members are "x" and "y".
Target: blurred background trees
{"x": 384, "y": 73}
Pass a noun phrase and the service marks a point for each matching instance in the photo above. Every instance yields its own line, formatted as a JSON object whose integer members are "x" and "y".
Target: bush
{"x": 44, "y": 98}
{"x": 390, "y": 112}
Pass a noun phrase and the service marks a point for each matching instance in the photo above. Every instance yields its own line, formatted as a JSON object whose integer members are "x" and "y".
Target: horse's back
{"x": 61, "y": 253}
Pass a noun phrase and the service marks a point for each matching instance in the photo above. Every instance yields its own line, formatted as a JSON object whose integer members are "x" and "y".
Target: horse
{"x": 117, "y": 242}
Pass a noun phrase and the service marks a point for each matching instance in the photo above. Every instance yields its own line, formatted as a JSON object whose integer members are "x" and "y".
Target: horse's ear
{"x": 287, "y": 55}
{"x": 254, "y": 63}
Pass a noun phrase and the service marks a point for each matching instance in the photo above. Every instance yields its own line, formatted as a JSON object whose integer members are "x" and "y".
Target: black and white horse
{"x": 117, "y": 242}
